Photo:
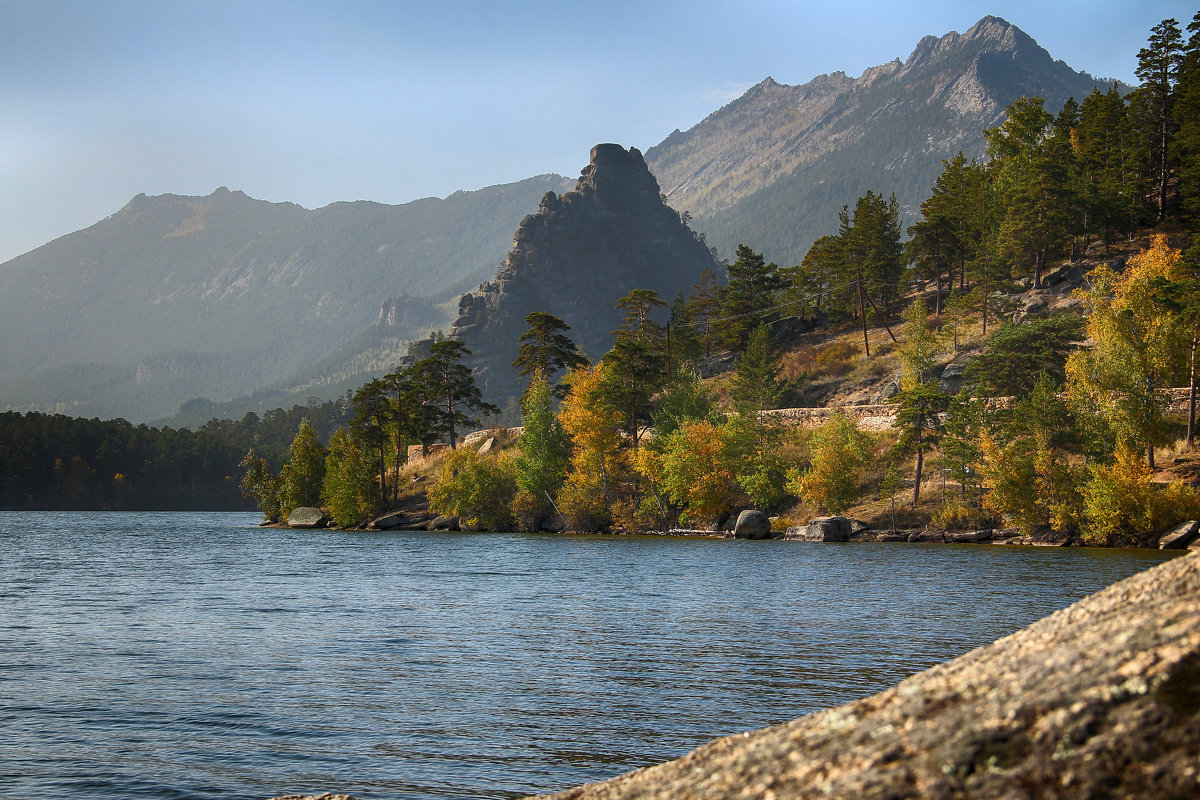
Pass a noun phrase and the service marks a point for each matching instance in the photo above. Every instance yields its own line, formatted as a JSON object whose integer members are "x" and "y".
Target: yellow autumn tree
{"x": 598, "y": 462}
{"x": 1137, "y": 349}
{"x": 694, "y": 468}
{"x": 1123, "y": 506}
{"x": 839, "y": 452}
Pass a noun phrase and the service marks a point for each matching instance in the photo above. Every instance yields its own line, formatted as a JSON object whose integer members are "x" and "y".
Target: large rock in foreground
{"x": 1101, "y": 699}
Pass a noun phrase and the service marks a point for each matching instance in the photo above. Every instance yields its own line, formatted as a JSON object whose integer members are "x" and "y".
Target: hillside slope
{"x": 177, "y": 297}
{"x": 773, "y": 168}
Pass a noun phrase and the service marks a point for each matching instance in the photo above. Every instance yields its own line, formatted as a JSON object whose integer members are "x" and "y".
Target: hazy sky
{"x": 315, "y": 102}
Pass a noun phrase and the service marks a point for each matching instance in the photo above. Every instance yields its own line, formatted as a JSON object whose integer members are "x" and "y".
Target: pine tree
{"x": 450, "y": 388}
{"x": 920, "y": 401}
{"x": 947, "y": 237}
{"x": 704, "y": 307}
{"x": 752, "y": 288}
{"x": 303, "y": 475}
{"x": 1032, "y": 184}
{"x": 636, "y": 366}
{"x": 374, "y": 421}
{"x": 683, "y": 341}
{"x": 1186, "y": 117}
{"x": 1108, "y": 179}
{"x": 960, "y": 448}
{"x": 872, "y": 256}
{"x": 541, "y": 467}
{"x": 755, "y": 386}
{"x": 1158, "y": 69}
{"x": 1018, "y": 354}
{"x": 546, "y": 350}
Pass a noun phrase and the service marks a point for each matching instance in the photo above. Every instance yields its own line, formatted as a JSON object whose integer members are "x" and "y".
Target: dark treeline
{"x": 54, "y": 462}
{"x": 271, "y": 434}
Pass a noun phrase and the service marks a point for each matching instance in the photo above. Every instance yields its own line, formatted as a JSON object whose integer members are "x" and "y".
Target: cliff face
{"x": 575, "y": 258}
{"x": 1101, "y": 699}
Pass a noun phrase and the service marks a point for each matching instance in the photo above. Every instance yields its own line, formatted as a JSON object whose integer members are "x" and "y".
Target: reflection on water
{"x": 197, "y": 656}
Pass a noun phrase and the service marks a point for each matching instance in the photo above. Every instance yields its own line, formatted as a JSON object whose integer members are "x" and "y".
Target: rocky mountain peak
{"x": 804, "y": 148}
{"x": 575, "y": 257}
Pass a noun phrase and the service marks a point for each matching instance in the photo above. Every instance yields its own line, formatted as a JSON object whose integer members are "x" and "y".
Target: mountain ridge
{"x": 225, "y": 295}
{"x": 811, "y": 148}
{"x": 205, "y": 277}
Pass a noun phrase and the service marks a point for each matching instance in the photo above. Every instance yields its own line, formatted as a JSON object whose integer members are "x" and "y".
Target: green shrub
{"x": 1123, "y": 506}
{"x": 477, "y": 489}
{"x": 839, "y": 452}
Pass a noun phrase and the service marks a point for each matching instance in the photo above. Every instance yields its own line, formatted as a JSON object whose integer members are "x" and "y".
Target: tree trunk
{"x": 1039, "y": 263}
{"x": 917, "y": 479}
{"x": 1162, "y": 168}
{"x": 383, "y": 487}
{"x": 862, "y": 313}
{"x": 1191, "y": 425}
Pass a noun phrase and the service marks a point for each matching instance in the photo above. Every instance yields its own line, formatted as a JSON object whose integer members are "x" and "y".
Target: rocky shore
{"x": 751, "y": 524}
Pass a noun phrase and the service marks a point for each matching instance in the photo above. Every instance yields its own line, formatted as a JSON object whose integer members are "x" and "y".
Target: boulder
{"x": 965, "y": 537}
{"x": 716, "y": 364}
{"x": 927, "y": 536}
{"x": 307, "y": 517}
{"x": 951, "y": 378}
{"x": 823, "y": 529}
{"x": 891, "y": 536}
{"x": 1101, "y": 699}
{"x": 890, "y": 390}
{"x": 752, "y": 524}
{"x": 444, "y": 523}
{"x": 409, "y": 520}
{"x": 487, "y": 446}
{"x": 1180, "y": 536}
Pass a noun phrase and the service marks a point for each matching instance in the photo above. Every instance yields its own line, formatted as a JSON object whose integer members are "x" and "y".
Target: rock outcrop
{"x": 1101, "y": 699}
{"x": 1180, "y": 536}
{"x": 823, "y": 529}
{"x": 752, "y": 524}
{"x": 307, "y": 517}
{"x": 575, "y": 258}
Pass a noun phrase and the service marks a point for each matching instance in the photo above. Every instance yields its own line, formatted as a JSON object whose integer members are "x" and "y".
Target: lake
{"x": 173, "y": 655}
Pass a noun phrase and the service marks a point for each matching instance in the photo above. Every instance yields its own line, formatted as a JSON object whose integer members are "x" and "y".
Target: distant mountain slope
{"x": 773, "y": 168}
{"x": 178, "y": 297}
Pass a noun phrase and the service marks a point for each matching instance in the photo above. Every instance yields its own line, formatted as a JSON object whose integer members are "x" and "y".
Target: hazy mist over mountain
{"x": 175, "y": 297}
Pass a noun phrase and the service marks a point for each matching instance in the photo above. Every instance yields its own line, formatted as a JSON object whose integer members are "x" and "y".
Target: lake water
{"x": 198, "y": 656}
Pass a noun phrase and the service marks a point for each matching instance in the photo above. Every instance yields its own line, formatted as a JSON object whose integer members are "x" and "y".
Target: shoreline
{"x": 755, "y": 525}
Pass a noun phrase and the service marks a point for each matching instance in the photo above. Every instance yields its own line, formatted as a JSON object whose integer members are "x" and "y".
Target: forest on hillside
{"x": 1046, "y": 434}
{"x": 1058, "y": 427}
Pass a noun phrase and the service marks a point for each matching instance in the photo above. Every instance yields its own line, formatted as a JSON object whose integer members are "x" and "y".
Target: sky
{"x": 317, "y": 102}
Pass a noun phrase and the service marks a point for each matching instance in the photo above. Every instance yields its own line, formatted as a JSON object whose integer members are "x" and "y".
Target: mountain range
{"x": 773, "y": 168}
{"x": 252, "y": 305}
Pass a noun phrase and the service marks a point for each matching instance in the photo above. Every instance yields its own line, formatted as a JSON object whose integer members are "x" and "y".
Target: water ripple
{"x": 198, "y": 656}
